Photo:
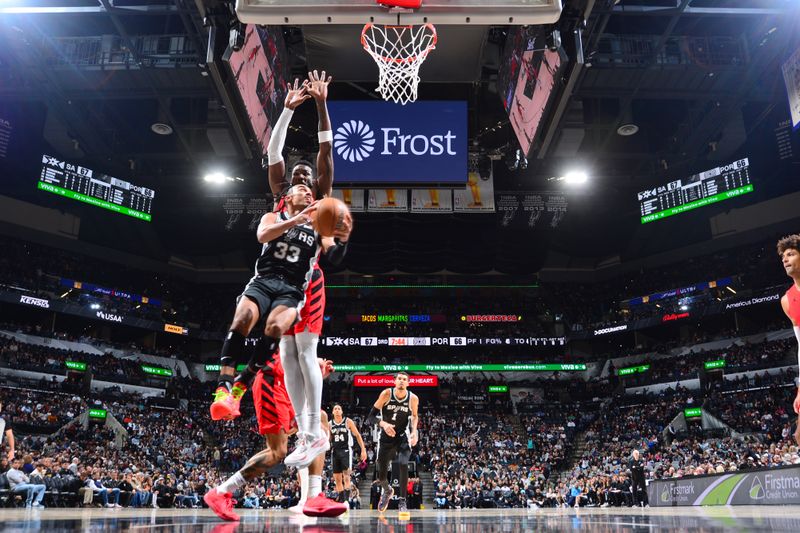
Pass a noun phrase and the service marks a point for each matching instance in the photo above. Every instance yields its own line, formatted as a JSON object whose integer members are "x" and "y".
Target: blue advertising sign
{"x": 376, "y": 142}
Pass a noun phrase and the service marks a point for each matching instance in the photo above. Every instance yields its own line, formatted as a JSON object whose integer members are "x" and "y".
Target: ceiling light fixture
{"x": 626, "y": 130}
{"x": 161, "y": 129}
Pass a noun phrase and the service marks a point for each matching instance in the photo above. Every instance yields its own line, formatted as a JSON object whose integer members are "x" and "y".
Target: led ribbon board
{"x": 522, "y": 367}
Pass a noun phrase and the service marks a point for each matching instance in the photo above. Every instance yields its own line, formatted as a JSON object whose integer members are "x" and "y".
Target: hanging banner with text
{"x": 477, "y": 196}
{"x": 354, "y": 198}
{"x": 531, "y": 209}
{"x": 431, "y": 201}
{"x": 388, "y": 201}
{"x": 791, "y": 77}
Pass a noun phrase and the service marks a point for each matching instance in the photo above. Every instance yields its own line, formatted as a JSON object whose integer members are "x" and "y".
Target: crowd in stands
{"x": 737, "y": 357}
{"x": 39, "y": 269}
{"x": 569, "y": 445}
{"x": 40, "y": 411}
{"x": 753, "y": 266}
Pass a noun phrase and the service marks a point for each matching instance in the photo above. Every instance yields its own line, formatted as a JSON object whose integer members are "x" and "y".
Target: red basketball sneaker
{"x": 222, "y": 504}
{"x": 226, "y": 404}
{"x": 322, "y": 506}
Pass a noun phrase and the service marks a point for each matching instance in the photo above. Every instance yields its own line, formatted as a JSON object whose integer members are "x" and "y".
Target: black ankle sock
{"x": 225, "y": 381}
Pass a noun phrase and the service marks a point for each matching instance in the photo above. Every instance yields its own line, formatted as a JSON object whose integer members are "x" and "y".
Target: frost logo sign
{"x": 378, "y": 143}
{"x": 354, "y": 141}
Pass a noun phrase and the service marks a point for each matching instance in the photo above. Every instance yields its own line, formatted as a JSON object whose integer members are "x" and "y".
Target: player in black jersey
{"x": 398, "y": 409}
{"x": 290, "y": 248}
{"x": 342, "y": 432}
{"x": 299, "y": 345}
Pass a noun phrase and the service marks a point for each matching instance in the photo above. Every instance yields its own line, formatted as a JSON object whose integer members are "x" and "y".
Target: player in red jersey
{"x": 789, "y": 252}
{"x": 275, "y": 418}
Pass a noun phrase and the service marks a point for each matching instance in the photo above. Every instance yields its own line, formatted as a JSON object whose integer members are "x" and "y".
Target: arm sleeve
{"x": 336, "y": 253}
{"x": 278, "y": 137}
{"x": 373, "y": 416}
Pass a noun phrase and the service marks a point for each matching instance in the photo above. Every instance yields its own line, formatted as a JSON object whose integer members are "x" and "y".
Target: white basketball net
{"x": 399, "y": 52}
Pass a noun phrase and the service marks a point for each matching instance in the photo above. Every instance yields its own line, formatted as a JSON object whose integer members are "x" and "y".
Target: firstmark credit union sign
{"x": 776, "y": 486}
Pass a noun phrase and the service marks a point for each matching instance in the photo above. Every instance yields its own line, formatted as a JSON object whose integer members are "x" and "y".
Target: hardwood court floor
{"x": 702, "y": 519}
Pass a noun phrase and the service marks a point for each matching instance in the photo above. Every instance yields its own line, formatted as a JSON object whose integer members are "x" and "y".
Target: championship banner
{"x": 532, "y": 208}
{"x": 477, "y": 196}
{"x": 791, "y": 76}
{"x": 774, "y": 486}
{"x": 431, "y": 201}
{"x": 388, "y": 200}
{"x": 507, "y": 206}
{"x": 353, "y": 198}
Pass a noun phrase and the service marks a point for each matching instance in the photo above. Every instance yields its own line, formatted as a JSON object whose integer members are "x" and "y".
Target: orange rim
{"x": 409, "y": 59}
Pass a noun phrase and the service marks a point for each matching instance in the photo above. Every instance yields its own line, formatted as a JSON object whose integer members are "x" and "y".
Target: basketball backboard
{"x": 468, "y": 12}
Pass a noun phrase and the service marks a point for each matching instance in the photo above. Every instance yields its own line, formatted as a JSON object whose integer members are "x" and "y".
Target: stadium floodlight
{"x": 215, "y": 177}
{"x": 576, "y": 177}
{"x": 95, "y": 306}
{"x": 219, "y": 178}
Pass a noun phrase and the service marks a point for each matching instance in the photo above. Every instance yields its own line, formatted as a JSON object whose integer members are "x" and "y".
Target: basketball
{"x": 330, "y": 214}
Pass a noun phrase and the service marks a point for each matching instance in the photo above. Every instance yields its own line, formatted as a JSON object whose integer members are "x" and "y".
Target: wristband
{"x": 325, "y": 136}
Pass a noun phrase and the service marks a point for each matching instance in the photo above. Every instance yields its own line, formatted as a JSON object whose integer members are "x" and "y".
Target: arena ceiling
{"x": 700, "y": 79}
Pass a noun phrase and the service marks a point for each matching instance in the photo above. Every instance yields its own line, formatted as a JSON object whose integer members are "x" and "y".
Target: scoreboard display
{"x": 100, "y": 190}
{"x": 699, "y": 190}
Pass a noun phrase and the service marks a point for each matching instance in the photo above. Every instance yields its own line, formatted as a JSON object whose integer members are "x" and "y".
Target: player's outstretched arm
{"x": 317, "y": 87}
{"x": 277, "y": 166}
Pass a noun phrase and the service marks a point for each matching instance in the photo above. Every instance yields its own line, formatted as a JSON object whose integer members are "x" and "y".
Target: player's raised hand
{"x": 306, "y": 216}
{"x": 344, "y": 228}
{"x": 297, "y": 95}
{"x": 388, "y": 428}
{"x": 317, "y": 85}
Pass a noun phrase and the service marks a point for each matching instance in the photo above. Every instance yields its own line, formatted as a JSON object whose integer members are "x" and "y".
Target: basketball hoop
{"x": 398, "y": 51}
